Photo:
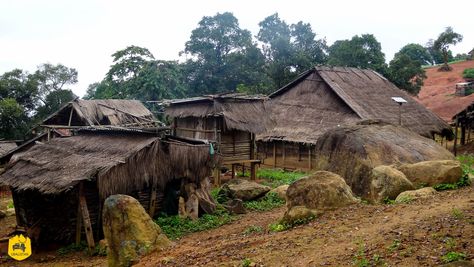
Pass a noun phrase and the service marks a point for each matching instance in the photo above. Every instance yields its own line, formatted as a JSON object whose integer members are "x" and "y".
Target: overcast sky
{"x": 84, "y": 33}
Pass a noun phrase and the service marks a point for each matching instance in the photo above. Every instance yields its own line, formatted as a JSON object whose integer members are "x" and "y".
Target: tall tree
{"x": 21, "y": 86}
{"x": 289, "y": 49}
{"x": 53, "y": 102}
{"x": 445, "y": 39}
{"x": 361, "y": 51}
{"x": 416, "y": 52}
{"x": 406, "y": 73}
{"x": 218, "y": 48}
{"x": 13, "y": 119}
{"x": 54, "y": 77}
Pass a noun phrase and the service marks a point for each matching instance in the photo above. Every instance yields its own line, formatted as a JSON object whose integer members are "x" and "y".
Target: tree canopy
{"x": 442, "y": 43}
{"x": 361, "y": 51}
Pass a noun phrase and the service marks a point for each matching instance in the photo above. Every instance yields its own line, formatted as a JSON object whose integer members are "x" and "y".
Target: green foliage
{"x": 395, "y": 245}
{"x": 10, "y": 205}
{"x": 360, "y": 258}
{"x": 13, "y": 120}
{"x": 468, "y": 73}
{"x": 268, "y": 202}
{"x": 82, "y": 246}
{"x": 406, "y": 73}
{"x": 283, "y": 226}
{"x": 246, "y": 262}
{"x": 405, "y": 199}
{"x": 53, "y": 102}
{"x": 361, "y": 51}
{"x": 453, "y": 256}
{"x": 416, "y": 52}
{"x": 175, "y": 227}
{"x": 457, "y": 213}
{"x": 253, "y": 229}
{"x": 289, "y": 49}
{"x": 53, "y": 78}
{"x": 444, "y": 40}
{"x": 275, "y": 178}
{"x": 464, "y": 181}
{"x": 389, "y": 201}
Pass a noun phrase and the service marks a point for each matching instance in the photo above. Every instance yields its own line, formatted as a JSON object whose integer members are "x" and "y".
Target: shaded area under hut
{"x": 59, "y": 186}
{"x": 463, "y": 123}
{"x": 327, "y": 97}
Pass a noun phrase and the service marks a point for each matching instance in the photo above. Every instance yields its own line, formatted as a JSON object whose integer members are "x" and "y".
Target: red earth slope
{"x": 437, "y": 94}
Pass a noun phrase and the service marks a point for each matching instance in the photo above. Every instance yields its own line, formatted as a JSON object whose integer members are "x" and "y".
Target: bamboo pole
{"x": 310, "y": 165}
{"x": 86, "y": 219}
{"x": 455, "y": 136}
{"x": 274, "y": 155}
{"x": 284, "y": 154}
{"x": 70, "y": 116}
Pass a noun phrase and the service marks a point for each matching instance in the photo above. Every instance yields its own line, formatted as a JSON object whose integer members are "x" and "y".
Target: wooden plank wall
{"x": 291, "y": 156}
{"x": 235, "y": 145}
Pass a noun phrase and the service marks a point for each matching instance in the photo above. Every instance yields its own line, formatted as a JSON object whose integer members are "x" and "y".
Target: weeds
{"x": 268, "y": 202}
{"x": 457, "y": 213}
{"x": 283, "y": 226}
{"x": 450, "y": 243}
{"x": 388, "y": 201}
{"x": 395, "y": 245}
{"x": 360, "y": 258}
{"x": 175, "y": 227}
{"x": 10, "y": 205}
{"x": 467, "y": 162}
{"x": 405, "y": 199}
{"x": 246, "y": 262}
{"x": 275, "y": 178}
{"x": 453, "y": 256}
{"x": 253, "y": 229}
{"x": 82, "y": 246}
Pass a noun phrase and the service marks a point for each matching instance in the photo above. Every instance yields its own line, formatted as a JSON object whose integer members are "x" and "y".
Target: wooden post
{"x": 217, "y": 176}
{"x": 274, "y": 155}
{"x": 468, "y": 133}
{"x": 70, "y": 116}
{"x": 86, "y": 218}
{"x": 284, "y": 154}
{"x": 152, "y": 202}
{"x": 310, "y": 165}
{"x": 78, "y": 223}
{"x": 233, "y": 171}
{"x": 49, "y": 134}
{"x": 463, "y": 133}
{"x": 455, "y": 137}
{"x": 252, "y": 171}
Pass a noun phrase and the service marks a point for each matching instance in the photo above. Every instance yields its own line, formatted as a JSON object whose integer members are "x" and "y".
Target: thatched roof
{"x": 120, "y": 163}
{"x": 239, "y": 111}
{"x": 7, "y": 146}
{"x": 117, "y": 112}
{"x": 335, "y": 96}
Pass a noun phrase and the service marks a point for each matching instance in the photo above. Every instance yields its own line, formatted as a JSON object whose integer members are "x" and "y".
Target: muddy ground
{"x": 416, "y": 234}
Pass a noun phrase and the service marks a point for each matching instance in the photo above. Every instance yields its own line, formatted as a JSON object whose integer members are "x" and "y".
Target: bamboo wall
{"x": 286, "y": 155}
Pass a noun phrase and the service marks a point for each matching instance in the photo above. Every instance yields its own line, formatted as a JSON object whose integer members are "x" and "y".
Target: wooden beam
{"x": 253, "y": 174}
{"x": 217, "y": 176}
{"x": 241, "y": 161}
{"x": 86, "y": 219}
{"x": 284, "y": 154}
{"x": 233, "y": 171}
{"x": 70, "y": 116}
{"x": 463, "y": 133}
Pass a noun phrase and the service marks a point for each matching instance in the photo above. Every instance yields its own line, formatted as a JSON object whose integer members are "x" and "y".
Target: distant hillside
{"x": 437, "y": 94}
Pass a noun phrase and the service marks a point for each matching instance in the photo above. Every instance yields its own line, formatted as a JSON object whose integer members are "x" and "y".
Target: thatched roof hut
{"x": 229, "y": 120}
{"x": 325, "y": 97}
{"x": 239, "y": 111}
{"x": 116, "y": 112}
{"x": 47, "y": 179}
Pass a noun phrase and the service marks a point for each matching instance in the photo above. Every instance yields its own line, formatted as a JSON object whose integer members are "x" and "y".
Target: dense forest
{"x": 220, "y": 57}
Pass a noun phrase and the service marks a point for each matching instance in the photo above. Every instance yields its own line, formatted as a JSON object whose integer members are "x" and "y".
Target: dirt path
{"x": 416, "y": 234}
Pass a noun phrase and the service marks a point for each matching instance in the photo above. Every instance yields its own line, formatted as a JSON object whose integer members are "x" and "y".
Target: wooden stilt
{"x": 86, "y": 219}
{"x": 78, "y": 224}
{"x": 252, "y": 171}
{"x": 274, "y": 155}
{"x": 151, "y": 211}
{"x": 455, "y": 137}
{"x": 233, "y": 171}
{"x": 70, "y": 116}
{"x": 463, "y": 134}
{"x": 283, "y": 154}
{"x": 217, "y": 177}
{"x": 310, "y": 165}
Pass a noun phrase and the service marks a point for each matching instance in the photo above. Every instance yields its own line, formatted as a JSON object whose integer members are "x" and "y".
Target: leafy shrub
{"x": 467, "y": 161}
{"x": 468, "y": 73}
{"x": 253, "y": 229}
{"x": 82, "y": 246}
{"x": 275, "y": 178}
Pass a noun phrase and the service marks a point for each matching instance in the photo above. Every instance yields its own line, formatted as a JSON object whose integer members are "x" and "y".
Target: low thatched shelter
{"x": 61, "y": 184}
{"x": 464, "y": 122}
{"x": 7, "y": 146}
{"x": 230, "y": 121}
{"x": 327, "y": 97}
{"x": 115, "y": 112}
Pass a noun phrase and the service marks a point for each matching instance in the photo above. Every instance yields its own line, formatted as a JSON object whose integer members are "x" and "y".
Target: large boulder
{"x": 129, "y": 231}
{"x": 387, "y": 183}
{"x": 243, "y": 189}
{"x": 431, "y": 173}
{"x": 321, "y": 190}
{"x": 411, "y": 195}
{"x": 299, "y": 214}
{"x": 353, "y": 151}
{"x": 280, "y": 191}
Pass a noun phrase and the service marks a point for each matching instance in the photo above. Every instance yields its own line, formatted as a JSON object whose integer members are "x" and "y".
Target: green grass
{"x": 10, "y": 205}
{"x": 275, "y": 178}
{"x": 453, "y": 256}
{"x": 268, "y": 202}
{"x": 253, "y": 229}
{"x": 175, "y": 227}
